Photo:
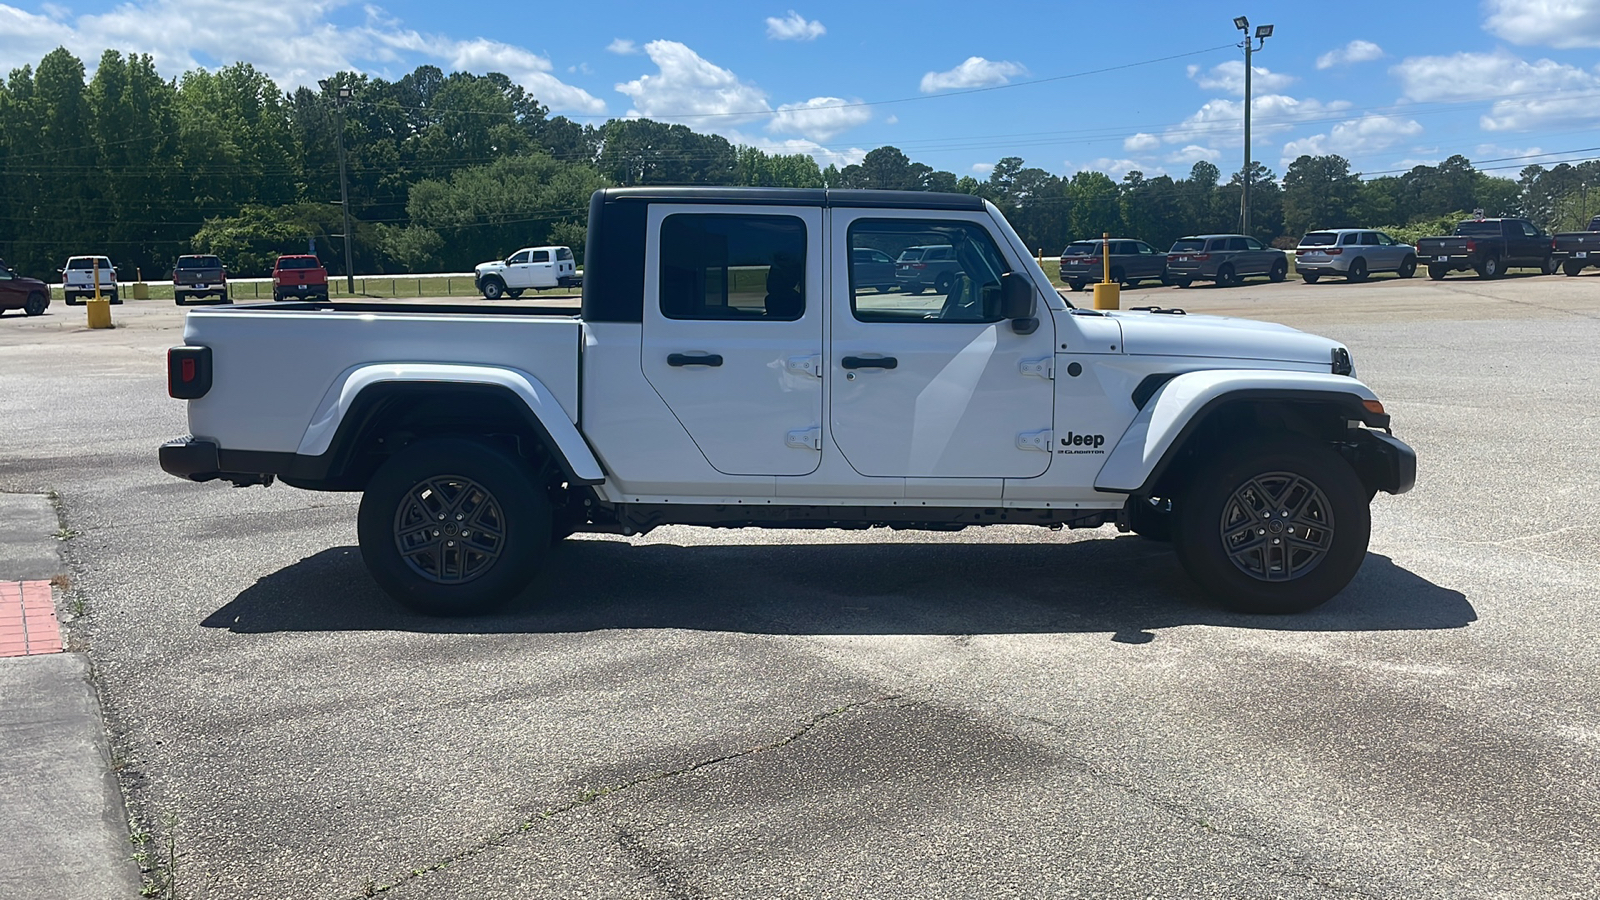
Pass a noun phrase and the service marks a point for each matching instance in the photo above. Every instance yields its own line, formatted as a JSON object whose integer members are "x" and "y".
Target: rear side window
{"x": 540, "y": 256}
{"x": 1188, "y": 245}
{"x": 733, "y": 267}
{"x": 1236, "y": 244}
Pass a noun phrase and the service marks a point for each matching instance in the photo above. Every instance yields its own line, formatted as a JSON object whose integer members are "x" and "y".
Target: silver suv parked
{"x": 1224, "y": 258}
{"x": 1353, "y": 253}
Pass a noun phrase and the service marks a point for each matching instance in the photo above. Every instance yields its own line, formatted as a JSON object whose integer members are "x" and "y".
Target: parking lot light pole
{"x": 1262, "y": 33}
{"x": 341, "y": 97}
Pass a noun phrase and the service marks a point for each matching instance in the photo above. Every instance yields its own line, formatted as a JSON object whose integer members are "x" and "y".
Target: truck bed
{"x": 277, "y": 365}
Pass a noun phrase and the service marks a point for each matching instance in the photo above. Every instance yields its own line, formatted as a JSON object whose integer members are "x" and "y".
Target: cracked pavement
{"x": 738, "y": 713}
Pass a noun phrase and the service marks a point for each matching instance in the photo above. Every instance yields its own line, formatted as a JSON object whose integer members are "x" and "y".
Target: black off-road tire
{"x": 480, "y": 488}
{"x": 1256, "y": 483}
{"x": 1310, "y": 277}
{"x": 1278, "y": 272}
{"x": 36, "y": 304}
{"x": 493, "y": 288}
{"x": 1358, "y": 271}
{"x": 1437, "y": 273}
{"x": 1408, "y": 267}
{"x": 1570, "y": 268}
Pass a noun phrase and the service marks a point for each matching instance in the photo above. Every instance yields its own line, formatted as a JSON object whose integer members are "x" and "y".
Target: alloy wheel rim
{"x": 449, "y": 529}
{"x": 1277, "y": 526}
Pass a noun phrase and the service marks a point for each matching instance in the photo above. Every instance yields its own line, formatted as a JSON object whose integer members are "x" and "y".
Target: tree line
{"x": 447, "y": 170}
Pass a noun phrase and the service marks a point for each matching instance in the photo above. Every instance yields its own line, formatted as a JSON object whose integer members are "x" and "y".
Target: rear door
{"x": 733, "y": 340}
{"x": 934, "y": 385}
{"x": 541, "y": 269}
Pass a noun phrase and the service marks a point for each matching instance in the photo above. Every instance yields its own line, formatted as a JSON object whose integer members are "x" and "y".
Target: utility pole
{"x": 1262, "y": 33}
{"x": 342, "y": 97}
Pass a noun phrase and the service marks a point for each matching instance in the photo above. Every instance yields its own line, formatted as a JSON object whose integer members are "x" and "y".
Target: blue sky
{"x": 954, "y": 85}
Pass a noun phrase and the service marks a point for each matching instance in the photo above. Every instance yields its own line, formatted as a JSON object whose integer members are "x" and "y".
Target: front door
{"x": 935, "y": 385}
{"x": 733, "y": 331}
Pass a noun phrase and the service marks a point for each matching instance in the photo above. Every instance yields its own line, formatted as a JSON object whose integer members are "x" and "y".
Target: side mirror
{"x": 1016, "y": 296}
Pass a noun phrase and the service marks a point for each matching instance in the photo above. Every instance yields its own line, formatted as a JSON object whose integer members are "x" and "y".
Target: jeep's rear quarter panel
{"x": 271, "y": 367}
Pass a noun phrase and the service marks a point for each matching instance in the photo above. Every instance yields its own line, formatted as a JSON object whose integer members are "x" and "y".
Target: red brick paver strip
{"x": 28, "y": 624}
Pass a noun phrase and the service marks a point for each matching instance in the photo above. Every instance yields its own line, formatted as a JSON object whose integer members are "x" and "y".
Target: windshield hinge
{"x": 1035, "y": 440}
{"x": 809, "y": 364}
{"x": 1044, "y": 367}
{"x": 806, "y": 438}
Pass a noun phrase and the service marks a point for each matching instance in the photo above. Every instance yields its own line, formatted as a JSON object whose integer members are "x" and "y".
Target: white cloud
{"x": 1141, "y": 143}
{"x": 1353, "y": 52}
{"x": 695, "y": 91}
{"x": 1557, "y": 23}
{"x": 622, "y": 47}
{"x": 892, "y": 120}
{"x": 294, "y": 43}
{"x": 1354, "y": 137}
{"x": 1229, "y": 76}
{"x": 975, "y": 72}
{"x": 794, "y": 27}
{"x": 1192, "y": 154}
{"x": 1536, "y": 94}
{"x": 1116, "y": 168}
{"x": 825, "y": 156}
{"x": 1222, "y": 121}
{"x": 820, "y": 118}
{"x": 982, "y": 168}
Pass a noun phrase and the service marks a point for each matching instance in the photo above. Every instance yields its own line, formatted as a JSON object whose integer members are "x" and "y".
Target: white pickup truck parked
{"x": 726, "y": 369}
{"x": 527, "y": 269}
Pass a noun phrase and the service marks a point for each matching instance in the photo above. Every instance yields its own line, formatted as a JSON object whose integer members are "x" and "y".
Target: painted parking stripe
{"x": 28, "y": 624}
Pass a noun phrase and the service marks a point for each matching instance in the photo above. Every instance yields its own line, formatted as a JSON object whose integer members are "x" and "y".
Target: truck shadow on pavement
{"x": 1125, "y": 587}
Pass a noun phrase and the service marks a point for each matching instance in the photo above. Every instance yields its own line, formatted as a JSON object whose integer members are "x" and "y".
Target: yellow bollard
{"x": 141, "y": 291}
{"x": 1107, "y": 294}
{"x": 98, "y": 307}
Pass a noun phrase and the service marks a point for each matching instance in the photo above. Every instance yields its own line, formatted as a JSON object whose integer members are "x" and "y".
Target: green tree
{"x": 1318, "y": 192}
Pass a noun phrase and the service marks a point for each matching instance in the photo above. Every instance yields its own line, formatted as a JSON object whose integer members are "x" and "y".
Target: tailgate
{"x": 1442, "y": 246}
{"x": 271, "y": 368}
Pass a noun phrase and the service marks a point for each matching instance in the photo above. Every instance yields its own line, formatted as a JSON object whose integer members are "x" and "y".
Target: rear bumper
{"x": 569, "y": 281}
{"x": 201, "y": 460}
{"x": 1384, "y": 462}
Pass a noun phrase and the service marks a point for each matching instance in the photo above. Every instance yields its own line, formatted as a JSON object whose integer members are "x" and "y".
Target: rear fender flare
{"x": 1171, "y": 415}
{"x": 573, "y": 454}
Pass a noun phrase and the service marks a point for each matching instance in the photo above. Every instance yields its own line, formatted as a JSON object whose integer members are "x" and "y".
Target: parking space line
{"x": 28, "y": 625}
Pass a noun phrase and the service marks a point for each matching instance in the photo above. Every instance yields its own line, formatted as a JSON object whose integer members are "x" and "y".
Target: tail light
{"x": 1200, "y": 257}
{"x": 1472, "y": 245}
{"x": 1333, "y": 251}
{"x": 188, "y": 372}
{"x": 1552, "y": 243}
{"x": 919, "y": 265}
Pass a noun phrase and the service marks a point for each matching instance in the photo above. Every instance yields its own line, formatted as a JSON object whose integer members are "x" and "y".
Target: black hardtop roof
{"x": 769, "y": 196}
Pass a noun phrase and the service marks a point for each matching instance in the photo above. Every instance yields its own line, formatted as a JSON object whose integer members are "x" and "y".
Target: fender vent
{"x": 1148, "y": 387}
{"x": 1341, "y": 362}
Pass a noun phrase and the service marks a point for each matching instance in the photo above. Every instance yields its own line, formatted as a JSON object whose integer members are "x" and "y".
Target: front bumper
{"x": 1384, "y": 462}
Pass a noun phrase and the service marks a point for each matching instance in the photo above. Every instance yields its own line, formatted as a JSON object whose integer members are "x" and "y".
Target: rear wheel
{"x": 1183, "y": 282}
{"x": 1310, "y": 277}
{"x": 453, "y": 526}
{"x": 1118, "y": 276}
{"x": 1358, "y": 270}
{"x": 36, "y": 304}
{"x": 1408, "y": 267}
{"x": 1571, "y": 268}
{"x": 1437, "y": 273}
{"x": 1076, "y": 285}
{"x": 1489, "y": 268}
{"x": 1278, "y": 272}
{"x": 1226, "y": 277}
{"x": 72, "y": 300}
{"x": 941, "y": 284}
{"x": 1278, "y": 527}
{"x": 514, "y": 294}
{"x": 917, "y": 289}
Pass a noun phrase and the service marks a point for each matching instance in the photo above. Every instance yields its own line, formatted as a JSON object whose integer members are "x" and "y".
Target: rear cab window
{"x": 739, "y": 267}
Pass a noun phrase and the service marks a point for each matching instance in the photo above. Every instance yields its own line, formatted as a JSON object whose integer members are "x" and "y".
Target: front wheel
{"x": 1276, "y": 528}
{"x": 1408, "y": 267}
{"x": 453, "y": 526}
{"x": 35, "y": 304}
{"x": 493, "y": 288}
{"x": 1437, "y": 273}
{"x": 1226, "y": 277}
{"x": 1549, "y": 266}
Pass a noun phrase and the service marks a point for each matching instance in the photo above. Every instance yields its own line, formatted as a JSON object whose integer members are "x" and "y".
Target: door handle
{"x": 862, "y": 362}
{"x": 683, "y": 359}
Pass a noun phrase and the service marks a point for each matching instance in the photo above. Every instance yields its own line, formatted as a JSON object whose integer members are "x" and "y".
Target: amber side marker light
{"x": 1373, "y": 406}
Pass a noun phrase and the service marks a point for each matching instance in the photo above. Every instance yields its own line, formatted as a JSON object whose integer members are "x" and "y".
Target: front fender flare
{"x": 576, "y": 459}
{"x": 1157, "y": 432}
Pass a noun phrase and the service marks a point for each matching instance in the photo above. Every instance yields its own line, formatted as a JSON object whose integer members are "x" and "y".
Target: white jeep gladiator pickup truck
{"x": 726, "y": 368}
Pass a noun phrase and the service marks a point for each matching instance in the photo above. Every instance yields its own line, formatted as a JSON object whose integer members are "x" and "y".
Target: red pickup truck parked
{"x": 299, "y": 277}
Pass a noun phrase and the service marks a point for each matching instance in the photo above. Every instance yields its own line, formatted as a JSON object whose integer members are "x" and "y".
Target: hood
{"x": 491, "y": 264}
{"x": 1219, "y": 337}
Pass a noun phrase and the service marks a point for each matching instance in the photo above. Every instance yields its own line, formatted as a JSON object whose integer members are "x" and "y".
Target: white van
{"x": 78, "y": 279}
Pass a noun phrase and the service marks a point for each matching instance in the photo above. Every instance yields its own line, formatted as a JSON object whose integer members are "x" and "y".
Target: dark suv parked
{"x": 929, "y": 266}
{"x": 1131, "y": 262}
{"x": 30, "y": 295}
{"x": 1223, "y": 258}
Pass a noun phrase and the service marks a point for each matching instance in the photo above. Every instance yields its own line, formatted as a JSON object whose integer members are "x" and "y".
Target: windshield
{"x": 199, "y": 262}
{"x": 1319, "y": 239}
{"x": 1478, "y": 229}
{"x": 1188, "y": 245}
{"x": 1081, "y": 248}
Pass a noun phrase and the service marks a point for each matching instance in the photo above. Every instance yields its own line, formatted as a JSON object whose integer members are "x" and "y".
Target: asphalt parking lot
{"x": 741, "y": 713}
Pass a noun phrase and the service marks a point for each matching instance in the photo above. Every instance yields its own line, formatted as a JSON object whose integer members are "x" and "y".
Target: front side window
{"x": 945, "y": 271}
{"x": 521, "y": 256}
{"x": 1251, "y": 243}
{"x": 542, "y": 256}
{"x": 741, "y": 267}
{"x": 1529, "y": 230}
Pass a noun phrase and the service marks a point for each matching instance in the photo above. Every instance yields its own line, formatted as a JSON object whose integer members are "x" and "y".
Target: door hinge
{"x": 809, "y": 364}
{"x": 1044, "y": 367}
{"x": 810, "y": 438}
{"x": 1035, "y": 440}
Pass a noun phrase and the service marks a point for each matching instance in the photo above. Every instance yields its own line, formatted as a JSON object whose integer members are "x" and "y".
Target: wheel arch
{"x": 374, "y": 410}
{"x": 1197, "y": 411}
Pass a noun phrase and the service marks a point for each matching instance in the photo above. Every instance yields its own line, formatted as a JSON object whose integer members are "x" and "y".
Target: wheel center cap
{"x": 1275, "y": 527}
{"x": 451, "y": 529}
